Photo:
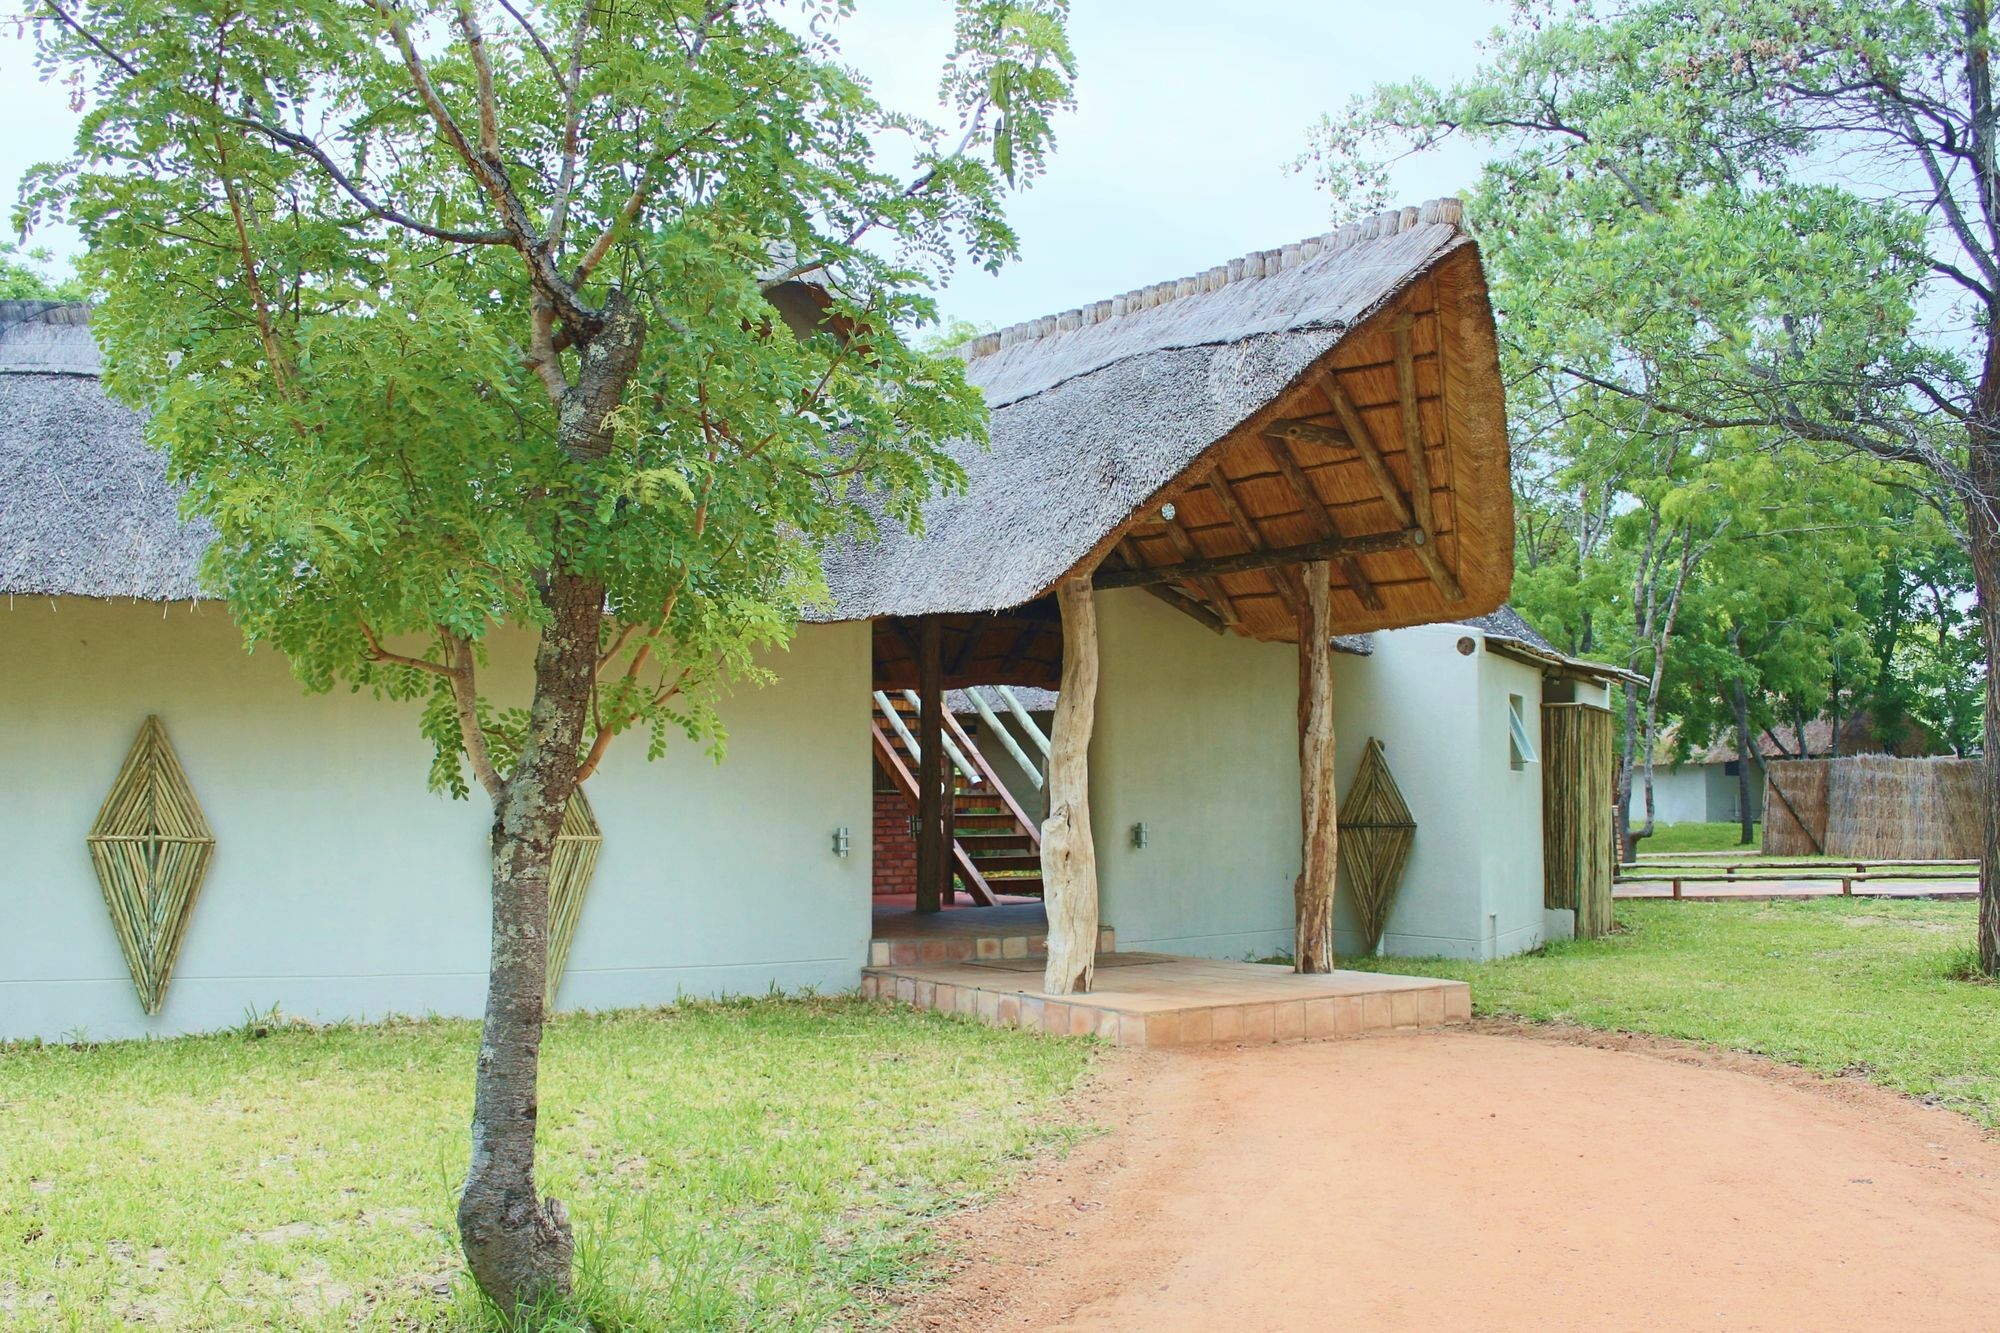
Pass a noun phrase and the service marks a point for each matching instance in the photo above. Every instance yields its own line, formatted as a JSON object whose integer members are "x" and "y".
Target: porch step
{"x": 1162, "y": 1000}
{"x": 968, "y": 946}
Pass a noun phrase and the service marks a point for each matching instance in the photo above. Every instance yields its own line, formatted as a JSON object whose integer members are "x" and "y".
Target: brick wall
{"x": 895, "y": 849}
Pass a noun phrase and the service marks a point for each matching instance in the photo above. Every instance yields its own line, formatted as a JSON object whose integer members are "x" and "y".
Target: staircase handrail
{"x": 965, "y": 766}
{"x": 994, "y": 725}
{"x": 899, "y": 773}
{"x": 1000, "y": 791}
{"x": 1021, "y": 715}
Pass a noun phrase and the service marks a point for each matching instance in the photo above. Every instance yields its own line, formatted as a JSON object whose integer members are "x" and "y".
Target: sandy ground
{"x": 1492, "y": 1178}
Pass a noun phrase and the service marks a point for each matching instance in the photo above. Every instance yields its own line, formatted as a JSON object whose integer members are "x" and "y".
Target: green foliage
{"x": 1836, "y": 985}
{"x": 353, "y": 331}
{"x": 750, "y": 1165}
{"x": 24, "y": 277}
{"x": 1702, "y": 308}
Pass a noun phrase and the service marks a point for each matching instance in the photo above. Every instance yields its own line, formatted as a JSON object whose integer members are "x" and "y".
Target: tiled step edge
{"x": 966, "y": 948}
{"x": 1248, "y": 1024}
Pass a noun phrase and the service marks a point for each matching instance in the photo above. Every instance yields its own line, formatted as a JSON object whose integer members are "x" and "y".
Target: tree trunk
{"x": 1628, "y": 763}
{"x": 1069, "y": 856}
{"x": 933, "y": 864}
{"x": 1741, "y": 700}
{"x": 1982, "y": 525}
{"x": 519, "y": 1246}
{"x": 1985, "y": 542}
{"x": 1320, "y": 833}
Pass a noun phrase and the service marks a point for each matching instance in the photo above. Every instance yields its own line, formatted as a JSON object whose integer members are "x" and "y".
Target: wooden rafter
{"x": 1282, "y": 579}
{"x": 1357, "y": 434}
{"x": 1194, "y": 607}
{"x": 1212, "y": 589}
{"x": 1019, "y": 648}
{"x": 1331, "y": 548}
{"x": 1350, "y": 568}
{"x": 1413, "y": 426}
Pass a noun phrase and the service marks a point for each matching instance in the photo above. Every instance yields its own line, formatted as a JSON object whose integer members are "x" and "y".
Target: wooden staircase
{"x": 996, "y": 848}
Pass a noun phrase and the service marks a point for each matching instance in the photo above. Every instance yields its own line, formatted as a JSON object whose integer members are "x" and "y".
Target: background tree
{"x": 589, "y": 318}
{"x": 1792, "y": 209}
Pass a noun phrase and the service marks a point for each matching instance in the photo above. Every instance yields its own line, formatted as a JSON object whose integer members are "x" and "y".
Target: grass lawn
{"x": 1837, "y": 985}
{"x": 1691, "y": 837}
{"x": 754, "y": 1165}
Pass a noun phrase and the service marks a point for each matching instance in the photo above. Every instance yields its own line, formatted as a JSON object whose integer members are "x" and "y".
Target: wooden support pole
{"x": 933, "y": 869}
{"x": 1318, "y": 806}
{"x": 1069, "y": 856}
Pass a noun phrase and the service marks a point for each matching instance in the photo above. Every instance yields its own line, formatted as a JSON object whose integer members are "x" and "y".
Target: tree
{"x": 1795, "y": 206}
{"x": 590, "y": 318}
{"x": 24, "y": 277}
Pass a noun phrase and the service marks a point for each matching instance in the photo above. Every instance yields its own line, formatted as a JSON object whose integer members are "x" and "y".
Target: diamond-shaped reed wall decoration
{"x": 1376, "y": 831}
{"x": 569, "y": 879}
{"x": 151, "y": 846}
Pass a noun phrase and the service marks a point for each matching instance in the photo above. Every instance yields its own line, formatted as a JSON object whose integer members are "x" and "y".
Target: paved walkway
{"x": 1463, "y": 1179}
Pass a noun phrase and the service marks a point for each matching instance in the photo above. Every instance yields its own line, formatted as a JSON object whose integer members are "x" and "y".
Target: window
{"x": 1520, "y": 746}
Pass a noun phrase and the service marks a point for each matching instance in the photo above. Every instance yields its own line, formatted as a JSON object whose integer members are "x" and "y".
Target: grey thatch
{"x": 85, "y": 507}
{"x": 1097, "y": 410}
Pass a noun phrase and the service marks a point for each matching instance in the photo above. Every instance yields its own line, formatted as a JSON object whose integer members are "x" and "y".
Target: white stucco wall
{"x": 341, "y": 888}
{"x": 1680, "y": 795}
{"x": 1473, "y": 885}
{"x": 1197, "y": 738}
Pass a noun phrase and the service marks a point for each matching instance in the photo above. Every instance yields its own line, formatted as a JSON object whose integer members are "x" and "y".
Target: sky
{"x": 1175, "y": 159}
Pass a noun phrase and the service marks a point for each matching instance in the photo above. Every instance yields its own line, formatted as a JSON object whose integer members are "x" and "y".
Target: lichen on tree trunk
{"x": 1069, "y": 856}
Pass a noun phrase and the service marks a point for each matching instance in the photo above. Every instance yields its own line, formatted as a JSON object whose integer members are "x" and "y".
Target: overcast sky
{"x": 1175, "y": 159}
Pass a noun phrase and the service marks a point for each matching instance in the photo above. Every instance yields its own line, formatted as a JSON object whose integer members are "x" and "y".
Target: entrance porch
{"x": 988, "y": 963}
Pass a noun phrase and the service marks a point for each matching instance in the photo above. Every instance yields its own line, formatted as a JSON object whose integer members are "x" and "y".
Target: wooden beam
{"x": 933, "y": 871}
{"x": 1212, "y": 589}
{"x": 1350, "y": 568}
{"x": 1319, "y": 828}
{"x": 1358, "y": 435}
{"x": 1226, "y": 494}
{"x": 1330, "y": 548}
{"x": 1413, "y": 426}
{"x": 959, "y": 658}
{"x": 1187, "y": 606}
{"x": 1069, "y": 855}
{"x": 1127, "y": 556}
{"x": 1030, "y": 631}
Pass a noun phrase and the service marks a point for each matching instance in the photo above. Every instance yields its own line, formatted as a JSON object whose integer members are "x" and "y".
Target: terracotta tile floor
{"x": 1156, "y": 999}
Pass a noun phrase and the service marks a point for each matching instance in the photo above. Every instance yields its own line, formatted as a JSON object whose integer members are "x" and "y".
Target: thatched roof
{"x": 1100, "y": 418}
{"x": 85, "y": 508}
{"x": 1102, "y": 414}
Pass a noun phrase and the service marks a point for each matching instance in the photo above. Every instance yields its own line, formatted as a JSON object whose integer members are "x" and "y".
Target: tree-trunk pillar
{"x": 933, "y": 865}
{"x": 1069, "y": 856}
{"x": 1318, "y": 804}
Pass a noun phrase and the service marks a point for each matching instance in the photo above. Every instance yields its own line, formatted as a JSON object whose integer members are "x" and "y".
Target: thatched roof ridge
{"x": 1096, "y": 411}
{"x": 1325, "y": 281}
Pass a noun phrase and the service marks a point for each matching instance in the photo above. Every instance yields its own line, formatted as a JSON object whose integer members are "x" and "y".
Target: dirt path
{"x": 1488, "y": 1179}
